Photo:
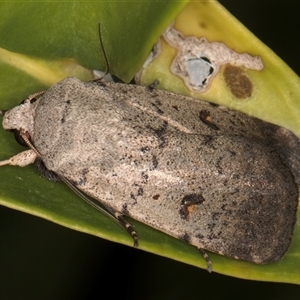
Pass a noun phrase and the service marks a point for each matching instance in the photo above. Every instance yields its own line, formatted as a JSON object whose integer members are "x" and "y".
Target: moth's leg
{"x": 153, "y": 85}
{"x": 116, "y": 216}
{"x": 128, "y": 227}
{"x": 21, "y": 159}
{"x": 206, "y": 257}
{"x": 35, "y": 95}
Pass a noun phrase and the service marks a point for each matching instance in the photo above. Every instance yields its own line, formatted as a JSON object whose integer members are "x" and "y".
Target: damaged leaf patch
{"x": 198, "y": 61}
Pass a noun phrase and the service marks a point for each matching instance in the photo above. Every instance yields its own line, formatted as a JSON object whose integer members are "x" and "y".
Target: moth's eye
{"x": 19, "y": 138}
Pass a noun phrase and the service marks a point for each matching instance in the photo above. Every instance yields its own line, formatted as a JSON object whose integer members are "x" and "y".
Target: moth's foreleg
{"x": 21, "y": 159}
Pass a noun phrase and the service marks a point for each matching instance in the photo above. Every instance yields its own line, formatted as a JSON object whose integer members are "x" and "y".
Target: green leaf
{"x": 40, "y": 46}
{"x": 275, "y": 88}
{"x": 37, "y": 40}
{"x": 275, "y": 98}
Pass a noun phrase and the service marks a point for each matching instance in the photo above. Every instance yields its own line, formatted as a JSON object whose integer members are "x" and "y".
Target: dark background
{"x": 41, "y": 260}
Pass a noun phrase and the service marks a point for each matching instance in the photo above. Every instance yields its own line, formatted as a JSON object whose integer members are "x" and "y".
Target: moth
{"x": 212, "y": 177}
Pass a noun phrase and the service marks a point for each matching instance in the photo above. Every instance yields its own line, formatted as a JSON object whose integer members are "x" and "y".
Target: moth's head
{"x": 20, "y": 119}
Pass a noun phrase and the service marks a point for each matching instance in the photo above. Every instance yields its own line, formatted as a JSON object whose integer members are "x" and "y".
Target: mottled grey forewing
{"x": 142, "y": 152}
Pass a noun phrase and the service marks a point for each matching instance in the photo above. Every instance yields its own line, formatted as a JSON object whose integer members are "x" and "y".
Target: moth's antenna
{"x": 102, "y": 48}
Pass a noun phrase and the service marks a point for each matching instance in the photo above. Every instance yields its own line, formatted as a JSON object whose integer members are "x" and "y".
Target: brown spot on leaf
{"x": 202, "y": 25}
{"x": 237, "y": 81}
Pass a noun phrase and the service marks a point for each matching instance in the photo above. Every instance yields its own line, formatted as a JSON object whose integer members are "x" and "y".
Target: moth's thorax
{"x": 21, "y": 117}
